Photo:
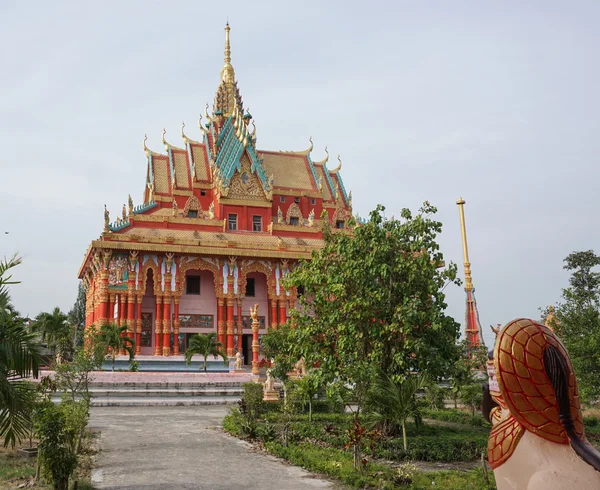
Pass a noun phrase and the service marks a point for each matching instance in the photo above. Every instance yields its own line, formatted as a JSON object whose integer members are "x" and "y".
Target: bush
{"x": 456, "y": 416}
{"x": 252, "y": 404}
{"x": 441, "y": 448}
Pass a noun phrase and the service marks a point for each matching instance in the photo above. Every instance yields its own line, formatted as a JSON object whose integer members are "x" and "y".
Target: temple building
{"x": 220, "y": 225}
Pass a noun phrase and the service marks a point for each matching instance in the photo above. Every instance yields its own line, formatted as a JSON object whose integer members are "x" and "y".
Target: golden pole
{"x": 468, "y": 279}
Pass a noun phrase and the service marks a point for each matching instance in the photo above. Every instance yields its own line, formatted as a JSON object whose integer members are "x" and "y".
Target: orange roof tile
{"x": 289, "y": 170}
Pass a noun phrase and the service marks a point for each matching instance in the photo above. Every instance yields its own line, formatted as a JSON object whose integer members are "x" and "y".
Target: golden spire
{"x": 468, "y": 279}
{"x": 227, "y": 73}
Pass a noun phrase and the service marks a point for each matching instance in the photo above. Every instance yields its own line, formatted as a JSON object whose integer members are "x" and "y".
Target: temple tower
{"x": 473, "y": 332}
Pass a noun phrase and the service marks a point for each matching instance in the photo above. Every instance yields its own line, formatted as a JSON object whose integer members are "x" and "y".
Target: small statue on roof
{"x": 311, "y": 218}
{"x": 175, "y": 208}
{"x": 130, "y": 202}
{"x": 124, "y": 213}
{"x": 211, "y": 211}
{"x": 106, "y": 218}
{"x": 280, "y": 219}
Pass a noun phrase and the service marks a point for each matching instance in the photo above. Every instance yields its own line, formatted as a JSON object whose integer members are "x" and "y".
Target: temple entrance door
{"x": 247, "y": 348}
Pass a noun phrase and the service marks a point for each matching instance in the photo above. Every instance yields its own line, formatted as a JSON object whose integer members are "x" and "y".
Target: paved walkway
{"x": 183, "y": 447}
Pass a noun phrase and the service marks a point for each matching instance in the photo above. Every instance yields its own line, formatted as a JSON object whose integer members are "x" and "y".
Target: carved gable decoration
{"x": 244, "y": 184}
{"x": 341, "y": 213}
{"x": 293, "y": 212}
{"x": 192, "y": 204}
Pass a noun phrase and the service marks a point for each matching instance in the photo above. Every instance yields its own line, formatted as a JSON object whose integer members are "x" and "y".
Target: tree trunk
{"x": 310, "y": 411}
{"x": 205, "y": 363}
{"x": 404, "y": 435}
{"x": 113, "y": 361}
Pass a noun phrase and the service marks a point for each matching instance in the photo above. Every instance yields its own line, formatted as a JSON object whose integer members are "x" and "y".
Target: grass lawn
{"x": 15, "y": 468}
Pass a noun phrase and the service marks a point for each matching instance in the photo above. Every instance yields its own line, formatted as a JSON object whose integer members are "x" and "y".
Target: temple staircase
{"x": 165, "y": 389}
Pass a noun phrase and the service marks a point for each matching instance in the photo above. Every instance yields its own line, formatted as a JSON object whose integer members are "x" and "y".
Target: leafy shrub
{"x": 435, "y": 396}
{"x": 267, "y": 432}
{"x": 443, "y": 448}
{"x": 456, "y": 416}
{"x": 55, "y": 450}
{"x": 134, "y": 366}
{"x": 252, "y": 404}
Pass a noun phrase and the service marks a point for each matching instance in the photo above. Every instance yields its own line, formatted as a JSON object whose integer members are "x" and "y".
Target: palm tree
{"x": 206, "y": 345}
{"x": 19, "y": 358}
{"x": 114, "y": 337}
{"x": 305, "y": 390}
{"x": 392, "y": 403}
{"x": 55, "y": 330}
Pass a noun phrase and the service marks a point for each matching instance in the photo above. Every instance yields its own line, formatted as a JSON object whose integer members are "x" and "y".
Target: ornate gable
{"x": 245, "y": 184}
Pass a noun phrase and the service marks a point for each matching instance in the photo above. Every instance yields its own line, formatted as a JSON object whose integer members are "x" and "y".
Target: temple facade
{"x": 220, "y": 225}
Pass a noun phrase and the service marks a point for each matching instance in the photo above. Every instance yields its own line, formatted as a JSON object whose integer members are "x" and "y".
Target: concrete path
{"x": 183, "y": 447}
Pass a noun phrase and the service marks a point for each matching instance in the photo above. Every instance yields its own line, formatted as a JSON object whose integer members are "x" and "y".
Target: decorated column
{"x": 176, "y": 325}
{"x": 166, "y": 327}
{"x": 138, "y": 326}
{"x": 131, "y": 316}
{"x": 111, "y": 307}
{"x": 102, "y": 311}
{"x": 221, "y": 320}
{"x": 157, "y": 327}
{"x": 282, "y": 310}
{"x": 274, "y": 313}
{"x": 255, "y": 343}
{"x": 230, "y": 325}
{"x": 240, "y": 325}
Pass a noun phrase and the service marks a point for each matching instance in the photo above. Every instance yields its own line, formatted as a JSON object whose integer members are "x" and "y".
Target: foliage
{"x": 390, "y": 403}
{"x": 435, "y": 396}
{"x": 205, "y": 345}
{"x": 56, "y": 453}
{"x": 470, "y": 360}
{"x": 577, "y": 320}
{"x": 19, "y": 358}
{"x": 455, "y": 416}
{"x": 252, "y": 404}
{"x": 114, "y": 337}
{"x": 472, "y": 396}
{"x": 376, "y": 299}
{"x": 77, "y": 314}
{"x": 305, "y": 390}
{"x": 56, "y": 331}
{"x": 134, "y": 366}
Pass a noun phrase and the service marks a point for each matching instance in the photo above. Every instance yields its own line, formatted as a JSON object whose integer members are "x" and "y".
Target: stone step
{"x": 162, "y": 402}
{"x": 133, "y": 385}
{"x": 181, "y": 392}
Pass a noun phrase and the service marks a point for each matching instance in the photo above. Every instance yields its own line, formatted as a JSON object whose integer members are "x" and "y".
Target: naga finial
{"x": 182, "y": 133}
{"x": 339, "y": 167}
{"x": 106, "y": 219}
{"x": 163, "y": 138}
{"x": 202, "y": 128}
{"x": 146, "y": 149}
{"x": 208, "y": 118}
{"x": 325, "y": 160}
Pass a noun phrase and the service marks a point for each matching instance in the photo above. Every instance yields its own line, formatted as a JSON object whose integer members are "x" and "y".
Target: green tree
{"x": 462, "y": 375}
{"x": 19, "y": 359}
{"x": 374, "y": 294}
{"x": 577, "y": 320}
{"x": 390, "y": 402}
{"x": 205, "y": 345}
{"x": 56, "y": 331}
{"x": 305, "y": 390}
{"x": 114, "y": 337}
{"x": 77, "y": 314}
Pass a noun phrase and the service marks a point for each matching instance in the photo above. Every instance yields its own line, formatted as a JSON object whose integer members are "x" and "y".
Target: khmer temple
{"x": 219, "y": 226}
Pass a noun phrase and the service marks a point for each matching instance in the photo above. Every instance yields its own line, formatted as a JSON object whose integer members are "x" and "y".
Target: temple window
{"x": 297, "y": 200}
{"x": 192, "y": 285}
{"x": 250, "y": 287}
{"x": 339, "y": 224}
{"x": 294, "y": 221}
{"x": 281, "y": 198}
{"x": 203, "y": 192}
{"x": 232, "y": 221}
{"x": 192, "y": 214}
{"x": 313, "y": 201}
{"x": 256, "y": 223}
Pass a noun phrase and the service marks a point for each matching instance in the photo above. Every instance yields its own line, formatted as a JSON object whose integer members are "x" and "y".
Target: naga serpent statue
{"x": 537, "y": 440}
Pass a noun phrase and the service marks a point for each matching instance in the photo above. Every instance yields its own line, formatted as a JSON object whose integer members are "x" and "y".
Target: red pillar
{"x": 131, "y": 317}
{"x": 282, "y": 312}
{"x": 230, "y": 325}
{"x": 166, "y": 350}
{"x": 176, "y": 327}
{"x": 157, "y": 328}
{"x": 138, "y": 327}
{"x": 111, "y": 308}
{"x": 274, "y": 314}
{"x": 240, "y": 325}
{"x": 221, "y": 320}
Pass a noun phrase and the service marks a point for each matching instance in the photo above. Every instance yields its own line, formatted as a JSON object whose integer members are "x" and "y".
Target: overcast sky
{"x": 494, "y": 101}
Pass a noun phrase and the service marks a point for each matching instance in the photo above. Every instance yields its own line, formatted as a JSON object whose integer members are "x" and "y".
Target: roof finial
{"x": 227, "y": 45}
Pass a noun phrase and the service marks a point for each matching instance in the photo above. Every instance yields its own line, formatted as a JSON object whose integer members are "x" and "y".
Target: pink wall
{"x": 204, "y": 303}
{"x": 261, "y": 298}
